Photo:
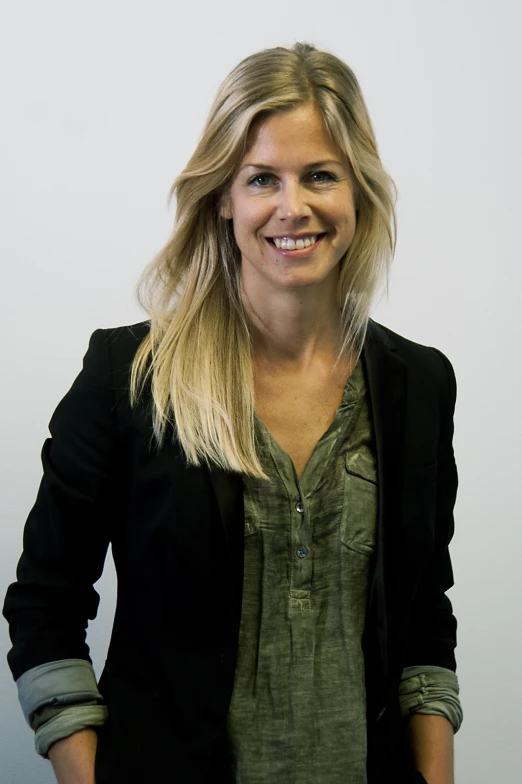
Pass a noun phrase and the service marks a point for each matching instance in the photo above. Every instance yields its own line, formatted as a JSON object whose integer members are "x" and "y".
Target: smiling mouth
{"x": 317, "y": 236}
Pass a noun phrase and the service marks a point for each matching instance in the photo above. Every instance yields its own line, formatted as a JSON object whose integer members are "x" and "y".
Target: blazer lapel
{"x": 228, "y": 488}
{"x": 387, "y": 376}
{"x": 387, "y": 384}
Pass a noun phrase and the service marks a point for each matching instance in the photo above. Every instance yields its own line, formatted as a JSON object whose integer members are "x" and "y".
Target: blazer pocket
{"x": 359, "y": 514}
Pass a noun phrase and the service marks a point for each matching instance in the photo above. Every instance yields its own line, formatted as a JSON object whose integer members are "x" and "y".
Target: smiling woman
{"x": 274, "y": 471}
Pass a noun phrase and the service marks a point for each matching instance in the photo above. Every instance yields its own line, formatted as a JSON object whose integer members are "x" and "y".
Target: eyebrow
{"x": 308, "y": 166}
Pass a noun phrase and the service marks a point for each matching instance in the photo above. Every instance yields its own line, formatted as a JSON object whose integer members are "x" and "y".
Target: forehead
{"x": 291, "y": 135}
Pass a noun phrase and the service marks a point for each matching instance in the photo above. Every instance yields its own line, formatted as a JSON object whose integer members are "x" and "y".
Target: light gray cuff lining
{"x": 71, "y": 720}
{"x": 433, "y": 692}
{"x": 62, "y": 682}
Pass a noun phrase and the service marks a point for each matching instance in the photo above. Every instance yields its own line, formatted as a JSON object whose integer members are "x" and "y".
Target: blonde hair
{"x": 196, "y": 360}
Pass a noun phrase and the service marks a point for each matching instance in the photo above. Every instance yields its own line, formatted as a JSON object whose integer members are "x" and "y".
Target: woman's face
{"x": 292, "y": 180}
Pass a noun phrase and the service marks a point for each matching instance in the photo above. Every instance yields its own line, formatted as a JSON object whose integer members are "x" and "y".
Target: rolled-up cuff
{"x": 69, "y": 721}
{"x": 62, "y": 682}
{"x": 434, "y": 691}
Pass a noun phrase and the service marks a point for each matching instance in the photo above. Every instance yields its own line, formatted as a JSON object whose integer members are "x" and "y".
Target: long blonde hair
{"x": 196, "y": 360}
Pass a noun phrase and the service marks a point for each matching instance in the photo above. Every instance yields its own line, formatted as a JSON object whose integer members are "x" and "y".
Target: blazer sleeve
{"x": 433, "y": 629}
{"x": 68, "y": 529}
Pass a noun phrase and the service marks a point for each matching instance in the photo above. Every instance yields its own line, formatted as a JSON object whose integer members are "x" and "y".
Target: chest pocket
{"x": 359, "y": 514}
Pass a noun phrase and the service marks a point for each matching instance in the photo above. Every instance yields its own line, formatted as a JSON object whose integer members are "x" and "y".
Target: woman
{"x": 274, "y": 471}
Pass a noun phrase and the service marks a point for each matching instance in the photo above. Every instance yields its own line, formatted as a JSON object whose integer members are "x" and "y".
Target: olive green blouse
{"x": 298, "y": 711}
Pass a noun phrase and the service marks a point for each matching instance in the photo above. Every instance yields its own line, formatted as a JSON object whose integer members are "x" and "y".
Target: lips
{"x": 298, "y": 253}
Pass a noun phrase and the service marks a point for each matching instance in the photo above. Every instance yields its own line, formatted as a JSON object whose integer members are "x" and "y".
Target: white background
{"x": 103, "y": 103}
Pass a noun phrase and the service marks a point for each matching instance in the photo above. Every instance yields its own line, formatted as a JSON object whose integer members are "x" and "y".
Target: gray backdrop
{"x": 102, "y": 104}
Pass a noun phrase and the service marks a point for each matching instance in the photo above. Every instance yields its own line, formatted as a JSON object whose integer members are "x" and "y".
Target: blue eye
{"x": 329, "y": 175}
{"x": 257, "y": 177}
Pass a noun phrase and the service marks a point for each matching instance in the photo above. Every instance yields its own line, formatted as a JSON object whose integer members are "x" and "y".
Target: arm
{"x": 67, "y": 532}
{"x": 429, "y": 700}
{"x": 433, "y": 631}
{"x": 61, "y": 702}
{"x": 73, "y": 758}
{"x": 431, "y": 741}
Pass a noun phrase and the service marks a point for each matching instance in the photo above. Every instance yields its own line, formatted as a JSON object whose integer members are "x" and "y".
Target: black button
{"x": 302, "y": 551}
{"x": 299, "y": 507}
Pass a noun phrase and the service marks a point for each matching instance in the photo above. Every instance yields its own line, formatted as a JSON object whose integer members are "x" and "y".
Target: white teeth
{"x": 287, "y": 244}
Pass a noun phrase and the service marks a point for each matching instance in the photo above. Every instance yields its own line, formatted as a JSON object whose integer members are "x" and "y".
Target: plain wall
{"x": 102, "y": 104}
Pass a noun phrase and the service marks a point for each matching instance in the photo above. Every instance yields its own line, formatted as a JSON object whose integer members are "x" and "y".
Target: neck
{"x": 294, "y": 329}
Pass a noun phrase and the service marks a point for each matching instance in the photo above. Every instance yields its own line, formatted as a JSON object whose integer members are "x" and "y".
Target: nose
{"x": 293, "y": 202}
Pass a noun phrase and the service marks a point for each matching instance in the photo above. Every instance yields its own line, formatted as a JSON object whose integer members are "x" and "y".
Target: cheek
{"x": 249, "y": 224}
{"x": 345, "y": 230}
{"x": 347, "y": 224}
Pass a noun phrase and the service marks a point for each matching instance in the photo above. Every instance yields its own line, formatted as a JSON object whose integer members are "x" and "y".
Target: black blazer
{"x": 177, "y": 541}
